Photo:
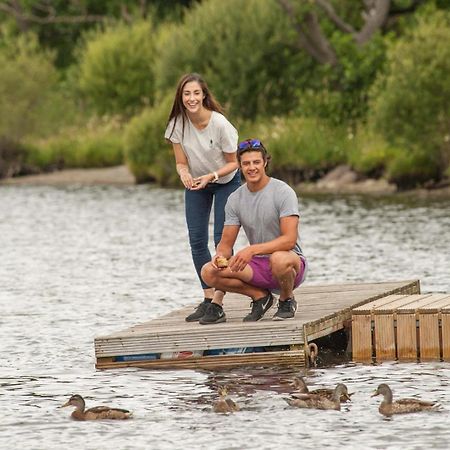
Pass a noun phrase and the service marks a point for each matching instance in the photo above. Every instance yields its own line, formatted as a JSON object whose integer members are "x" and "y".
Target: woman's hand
{"x": 201, "y": 182}
{"x": 186, "y": 179}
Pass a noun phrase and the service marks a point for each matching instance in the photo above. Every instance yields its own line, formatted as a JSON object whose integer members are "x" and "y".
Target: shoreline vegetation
{"x": 341, "y": 181}
{"x": 341, "y": 111}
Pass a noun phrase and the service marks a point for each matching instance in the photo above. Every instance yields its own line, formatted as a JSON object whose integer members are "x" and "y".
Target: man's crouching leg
{"x": 285, "y": 266}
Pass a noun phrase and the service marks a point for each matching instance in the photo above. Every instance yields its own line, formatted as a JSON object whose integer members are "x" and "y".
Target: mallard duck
{"x": 315, "y": 401}
{"x": 95, "y": 413}
{"x": 225, "y": 404}
{"x": 301, "y": 388}
{"x": 401, "y": 406}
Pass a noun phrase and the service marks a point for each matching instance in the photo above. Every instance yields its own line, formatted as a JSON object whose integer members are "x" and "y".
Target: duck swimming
{"x": 301, "y": 388}
{"x": 225, "y": 404}
{"x": 315, "y": 401}
{"x": 95, "y": 413}
{"x": 388, "y": 407}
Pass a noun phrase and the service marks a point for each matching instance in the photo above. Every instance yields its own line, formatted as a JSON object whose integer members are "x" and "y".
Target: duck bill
{"x": 65, "y": 404}
{"x": 375, "y": 394}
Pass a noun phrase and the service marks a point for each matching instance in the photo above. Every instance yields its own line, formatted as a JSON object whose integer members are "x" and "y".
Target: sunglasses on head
{"x": 248, "y": 144}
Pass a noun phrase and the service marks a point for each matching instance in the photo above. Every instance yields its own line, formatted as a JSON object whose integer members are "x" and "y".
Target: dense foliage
{"x": 88, "y": 84}
{"x": 411, "y": 101}
{"x": 115, "y": 68}
{"x": 244, "y": 50}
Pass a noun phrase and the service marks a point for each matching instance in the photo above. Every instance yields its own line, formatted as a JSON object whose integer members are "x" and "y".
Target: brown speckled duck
{"x": 301, "y": 388}
{"x": 225, "y": 404}
{"x": 315, "y": 401}
{"x": 95, "y": 413}
{"x": 388, "y": 407}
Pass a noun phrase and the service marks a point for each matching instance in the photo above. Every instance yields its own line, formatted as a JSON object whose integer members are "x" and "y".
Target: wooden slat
{"x": 429, "y": 337}
{"x": 445, "y": 324}
{"x": 384, "y": 337}
{"x": 398, "y": 301}
{"x": 362, "y": 338}
{"x": 293, "y": 357}
{"x": 414, "y": 285}
{"x": 382, "y": 303}
{"x": 406, "y": 337}
{"x": 439, "y": 302}
{"x": 212, "y": 338}
{"x": 420, "y": 301}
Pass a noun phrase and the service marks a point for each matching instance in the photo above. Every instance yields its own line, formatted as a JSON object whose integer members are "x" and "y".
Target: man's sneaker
{"x": 286, "y": 309}
{"x": 259, "y": 308}
{"x": 199, "y": 312}
{"x": 214, "y": 314}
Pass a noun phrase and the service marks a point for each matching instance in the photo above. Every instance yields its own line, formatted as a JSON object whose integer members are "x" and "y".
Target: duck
{"x": 95, "y": 413}
{"x": 388, "y": 407}
{"x": 301, "y": 388}
{"x": 225, "y": 404}
{"x": 315, "y": 401}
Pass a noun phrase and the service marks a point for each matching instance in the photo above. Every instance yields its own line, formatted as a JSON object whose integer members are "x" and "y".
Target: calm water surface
{"x": 82, "y": 261}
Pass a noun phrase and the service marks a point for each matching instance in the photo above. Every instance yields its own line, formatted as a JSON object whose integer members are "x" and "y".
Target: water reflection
{"x": 78, "y": 262}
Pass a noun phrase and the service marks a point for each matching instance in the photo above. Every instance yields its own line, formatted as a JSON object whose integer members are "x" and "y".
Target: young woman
{"x": 204, "y": 143}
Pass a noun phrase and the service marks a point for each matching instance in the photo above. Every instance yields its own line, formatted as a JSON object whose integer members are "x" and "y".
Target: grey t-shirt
{"x": 204, "y": 149}
{"x": 259, "y": 212}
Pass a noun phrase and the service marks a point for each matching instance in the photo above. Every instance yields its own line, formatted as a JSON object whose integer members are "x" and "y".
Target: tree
{"x": 312, "y": 38}
{"x": 60, "y": 23}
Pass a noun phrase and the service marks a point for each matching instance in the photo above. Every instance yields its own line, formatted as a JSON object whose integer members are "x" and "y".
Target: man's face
{"x": 253, "y": 166}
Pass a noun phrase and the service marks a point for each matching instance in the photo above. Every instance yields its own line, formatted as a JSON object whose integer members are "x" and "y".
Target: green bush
{"x": 410, "y": 103}
{"x": 147, "y": 154}
{"x": 371, "y": 154}
{"x": 12, "y": 155}
{"x": 301, "y": 148}
{"x": 116, "y": 68}
{"x": 77, "y": 148}
{"x": 28, "y": 82}
{"x": 340, "y": 94}
{"x": 411, "y": 169}
{"x": 243, "y": 48}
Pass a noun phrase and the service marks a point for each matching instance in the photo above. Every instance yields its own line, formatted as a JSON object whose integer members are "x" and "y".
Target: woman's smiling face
{"x": 193, "y": 97}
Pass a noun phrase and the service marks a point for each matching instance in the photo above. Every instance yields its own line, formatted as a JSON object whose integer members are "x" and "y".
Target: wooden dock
{"x": 170, "y": 342}
{"x": 403, "y": 327}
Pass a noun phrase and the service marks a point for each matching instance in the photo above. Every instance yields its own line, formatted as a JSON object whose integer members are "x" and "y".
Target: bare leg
{"x": 285, "y": 266}
{"x": 218, "y": 297}
{"x": 227, "y": 281}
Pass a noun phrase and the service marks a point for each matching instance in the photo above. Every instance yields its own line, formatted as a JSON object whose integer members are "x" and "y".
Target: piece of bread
{"x": 221, "y": 262}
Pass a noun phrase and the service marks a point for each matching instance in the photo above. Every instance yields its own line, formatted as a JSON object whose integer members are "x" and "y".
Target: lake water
{"x": 78, "y": 262}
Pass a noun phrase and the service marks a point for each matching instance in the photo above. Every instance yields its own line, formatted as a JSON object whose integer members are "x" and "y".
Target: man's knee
{"x": 282, "y": 262}
{"x": 208, "y": 274}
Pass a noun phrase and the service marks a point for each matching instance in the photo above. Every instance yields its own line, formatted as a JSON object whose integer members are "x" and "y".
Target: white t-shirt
{"x": 205, "y": 148}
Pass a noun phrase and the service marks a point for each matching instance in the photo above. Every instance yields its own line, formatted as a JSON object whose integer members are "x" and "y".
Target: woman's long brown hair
{"x": 178, "y": 109}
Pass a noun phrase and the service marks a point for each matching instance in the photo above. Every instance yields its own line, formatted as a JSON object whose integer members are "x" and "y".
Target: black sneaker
{"x": 214, "y": 314}
{"x": 199, "y": 312}
{"x": 286, "y": 309}
{"x": 259, "y": 308}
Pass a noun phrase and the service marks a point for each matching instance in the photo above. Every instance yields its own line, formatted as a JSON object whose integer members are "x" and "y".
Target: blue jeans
{"x": 198, "y": 208}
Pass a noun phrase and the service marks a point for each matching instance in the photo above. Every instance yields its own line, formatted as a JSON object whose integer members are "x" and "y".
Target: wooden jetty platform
{"x": 170, "y": 342}
{"x": 403, "y": 327}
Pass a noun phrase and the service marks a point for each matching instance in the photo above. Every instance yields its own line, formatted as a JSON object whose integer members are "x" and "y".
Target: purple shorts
{"x": 262, "y": 275}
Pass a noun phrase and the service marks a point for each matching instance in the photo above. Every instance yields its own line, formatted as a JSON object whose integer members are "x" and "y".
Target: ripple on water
{"x": 77, "y": 262}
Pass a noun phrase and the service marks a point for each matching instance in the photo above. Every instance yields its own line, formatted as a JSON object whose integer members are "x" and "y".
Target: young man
{"x": 267, "y": 209}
